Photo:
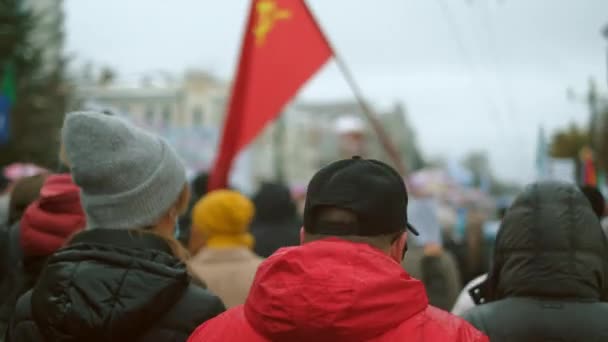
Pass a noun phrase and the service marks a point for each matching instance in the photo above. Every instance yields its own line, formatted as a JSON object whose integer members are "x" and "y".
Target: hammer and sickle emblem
{"x": 268, "y": 13}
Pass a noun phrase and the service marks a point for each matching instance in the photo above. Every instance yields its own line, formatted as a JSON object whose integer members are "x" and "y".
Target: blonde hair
{"x": 178, "y": 251}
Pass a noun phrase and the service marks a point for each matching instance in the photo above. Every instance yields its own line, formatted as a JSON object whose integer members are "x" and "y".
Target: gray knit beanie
{"x": 128, "y": 178}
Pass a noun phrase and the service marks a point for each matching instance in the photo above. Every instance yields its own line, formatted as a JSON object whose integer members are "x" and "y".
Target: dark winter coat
{"x": 549, "y": 276}
{"x": 276, "y": 223}
{"x": 44, "y": 227}
{"x": 112, "y": 285}
{"x": 13, "y": 278}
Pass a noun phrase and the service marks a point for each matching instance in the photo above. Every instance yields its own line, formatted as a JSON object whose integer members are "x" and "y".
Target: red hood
{"x": 53, "y": 218}
{"x": 331, "y": 290}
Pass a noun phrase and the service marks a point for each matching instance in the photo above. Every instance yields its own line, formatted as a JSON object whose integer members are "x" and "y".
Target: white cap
{"x": 349, "y": 124}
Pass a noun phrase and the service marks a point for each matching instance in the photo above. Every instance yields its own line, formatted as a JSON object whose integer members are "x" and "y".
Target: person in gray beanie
{"x": 123, "y": 278}
{"x": 129, "y": 178}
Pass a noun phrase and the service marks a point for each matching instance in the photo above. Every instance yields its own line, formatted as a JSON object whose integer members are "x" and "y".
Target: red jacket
{"x": 334, "y": 290}
{"x": 53, "y": 218}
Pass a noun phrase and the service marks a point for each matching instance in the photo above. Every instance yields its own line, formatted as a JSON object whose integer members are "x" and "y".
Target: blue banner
{"x": 5, "y": 116}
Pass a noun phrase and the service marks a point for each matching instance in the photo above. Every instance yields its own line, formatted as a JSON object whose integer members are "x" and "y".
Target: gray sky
{"x": 474, "y": 74}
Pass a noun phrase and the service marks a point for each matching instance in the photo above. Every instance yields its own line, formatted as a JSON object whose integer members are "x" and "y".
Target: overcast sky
{"x": 473, "y": 74}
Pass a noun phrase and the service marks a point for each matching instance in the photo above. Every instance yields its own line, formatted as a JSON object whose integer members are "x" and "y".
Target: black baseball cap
{"x": 370, "y": 189}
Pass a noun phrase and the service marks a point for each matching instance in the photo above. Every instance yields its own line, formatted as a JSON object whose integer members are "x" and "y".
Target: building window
{"x": 219, "y": 107}
{"x": 166, "y": 115}
{"x": 149, "y": 114}
{"x": 197, "y": 116}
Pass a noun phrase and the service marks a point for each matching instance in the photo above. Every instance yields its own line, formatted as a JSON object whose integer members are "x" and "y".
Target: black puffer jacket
{"x": 113, "y": 285}
{"x": 276, "y": 223}
{"x": 549, "y": 277}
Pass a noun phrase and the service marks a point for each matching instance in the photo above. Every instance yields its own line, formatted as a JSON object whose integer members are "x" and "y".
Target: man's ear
{"x": 398, "y": 248}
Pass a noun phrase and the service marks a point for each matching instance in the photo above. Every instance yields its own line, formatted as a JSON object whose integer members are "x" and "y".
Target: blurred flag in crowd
{"x": 588, "y": 173}
{"x": 282, "y": 48}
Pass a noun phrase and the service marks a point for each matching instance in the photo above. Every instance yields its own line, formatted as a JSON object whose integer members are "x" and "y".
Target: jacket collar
{"x": 122, "y": 238}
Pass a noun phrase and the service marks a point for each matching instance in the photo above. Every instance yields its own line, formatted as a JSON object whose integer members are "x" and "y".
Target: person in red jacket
{"x": 345, "y": 282}
{"x": 50, "y": 221}
{"x": 45, "y": 226}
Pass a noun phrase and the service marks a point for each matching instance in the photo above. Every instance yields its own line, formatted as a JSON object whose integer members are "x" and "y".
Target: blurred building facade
{"x": 310, "y": 140}
{"x": 198, "y": 99}
{"x": 291, "y": 148}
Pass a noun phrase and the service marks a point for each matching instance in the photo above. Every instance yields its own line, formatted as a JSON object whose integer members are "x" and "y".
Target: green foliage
{"x": 31, "y": 40}
{"x": 601, "y": 140}
{"x": 568, "y": 143}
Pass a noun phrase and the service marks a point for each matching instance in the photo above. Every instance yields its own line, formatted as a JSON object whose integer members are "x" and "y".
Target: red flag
{"x": 589, "y": 174}
{"x": 282, "y": 48}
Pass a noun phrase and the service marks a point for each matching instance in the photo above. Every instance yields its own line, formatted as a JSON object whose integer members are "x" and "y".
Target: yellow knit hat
{"x": 223, "y": 217}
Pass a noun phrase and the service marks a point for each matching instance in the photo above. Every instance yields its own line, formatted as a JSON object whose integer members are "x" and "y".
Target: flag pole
{"x": 385, "y": 140}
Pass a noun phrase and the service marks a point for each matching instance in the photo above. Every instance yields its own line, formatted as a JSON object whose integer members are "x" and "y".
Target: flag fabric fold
{"x": 589, "y": 176}
{"x": 282, "y": 48}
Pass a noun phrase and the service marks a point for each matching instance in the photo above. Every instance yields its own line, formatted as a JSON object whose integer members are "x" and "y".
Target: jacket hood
{"x": 550, "y": 244}
{"x": 331, "y": 290}
{"x": 53, "y": 218}
{"x": 95, "y": 290}
{"x": 273, "y": 202}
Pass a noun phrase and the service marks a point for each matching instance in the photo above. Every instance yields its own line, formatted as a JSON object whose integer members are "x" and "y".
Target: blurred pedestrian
{"x": 45, "y": 226}
{"x": 123, "y": 278}
{"x": 550, "y": 272}
{"x": 344, "y": 283}
{"x": 221, "y": 245}
{"x": 198, "y": 189}
{"x": 596, "y": 199}
{"x": 604, "y": 223}
{"x": 5, "y": 195}
{"x": 276, "y": 223}
{"x": 465, "y": 302}
{"x": 25, "y": 191}
{"x": 598, "y": 203}
{"x": 474, "y": 261}
{"x": 426, "y": 259}
{"x": 48, "y": 223}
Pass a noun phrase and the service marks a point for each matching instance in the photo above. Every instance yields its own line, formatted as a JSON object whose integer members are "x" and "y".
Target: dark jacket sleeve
{"x": 22, "y": 327}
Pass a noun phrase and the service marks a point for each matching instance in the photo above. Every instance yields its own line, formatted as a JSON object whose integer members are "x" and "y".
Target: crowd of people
{"x": 117, "y": 245}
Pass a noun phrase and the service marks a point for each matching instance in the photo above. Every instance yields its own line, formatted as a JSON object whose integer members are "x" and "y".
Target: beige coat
{"x": 228, "y": 272}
